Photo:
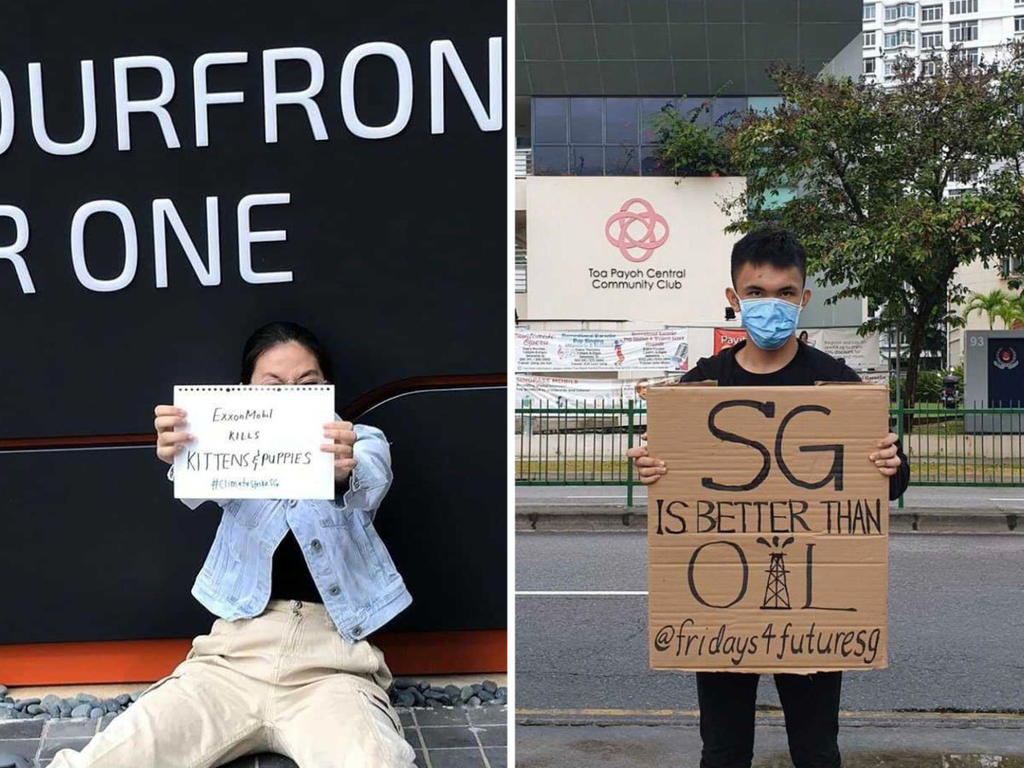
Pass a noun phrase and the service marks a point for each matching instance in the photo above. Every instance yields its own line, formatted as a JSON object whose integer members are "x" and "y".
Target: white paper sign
{"x": 254, "y": 442}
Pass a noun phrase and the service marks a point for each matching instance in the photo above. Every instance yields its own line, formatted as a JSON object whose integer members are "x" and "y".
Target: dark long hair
{"x": 281, "y": 332}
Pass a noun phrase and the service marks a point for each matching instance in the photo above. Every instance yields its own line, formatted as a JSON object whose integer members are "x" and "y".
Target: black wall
{"x": 397, "y": 250}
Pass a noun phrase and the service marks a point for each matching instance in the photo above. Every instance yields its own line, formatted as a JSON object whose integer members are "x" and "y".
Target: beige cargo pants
{"x": 283, "y": 682}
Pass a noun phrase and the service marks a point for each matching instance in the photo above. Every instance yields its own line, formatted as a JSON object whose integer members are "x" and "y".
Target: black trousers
{"x": 810, "y": 703}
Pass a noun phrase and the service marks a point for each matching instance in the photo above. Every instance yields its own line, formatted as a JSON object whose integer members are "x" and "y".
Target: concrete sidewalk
{"x": 618, "y": 517}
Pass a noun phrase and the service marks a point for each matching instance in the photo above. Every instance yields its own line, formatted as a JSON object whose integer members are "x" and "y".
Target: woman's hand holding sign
{"x": 343, "y": 435}
{"x": 169, "y": 442}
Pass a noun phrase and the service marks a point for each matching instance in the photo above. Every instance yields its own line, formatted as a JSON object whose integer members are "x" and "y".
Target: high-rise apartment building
{"x": 927, "y": 30}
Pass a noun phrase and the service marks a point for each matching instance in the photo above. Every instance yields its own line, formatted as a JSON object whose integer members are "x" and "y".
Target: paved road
{"x": 956, "y": 627}
{"x": 934, "y": 497}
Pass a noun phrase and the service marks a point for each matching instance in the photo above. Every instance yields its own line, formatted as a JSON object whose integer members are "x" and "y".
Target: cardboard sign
{"x": 255, "y": 442}
{"x": 767, "y": 537}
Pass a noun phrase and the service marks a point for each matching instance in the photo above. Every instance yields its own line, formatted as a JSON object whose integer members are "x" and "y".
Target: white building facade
{"x": 924, "y": 30}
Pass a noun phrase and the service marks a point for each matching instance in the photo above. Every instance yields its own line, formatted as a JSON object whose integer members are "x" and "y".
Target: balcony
{"x": 524, "y": 163}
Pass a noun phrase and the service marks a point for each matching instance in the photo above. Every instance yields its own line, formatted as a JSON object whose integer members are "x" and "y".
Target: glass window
{"x": 869, "y": 39}
{"x": 649, "y": 109}
{"x": 963, "y": 6}
{"x": 586, "y": 161}
{"x": 622, "y": 121}
{"x": 933, "y": 12}
{"x": 727, "y": 109}
{"x": 549, "y": 121}
{"x": 931, "y": 40}
{"x": 623, "y": 160}
{"x": 963, "y": 31}
{"x": 928, "y": 67}
{"x": 650, "y": 165}
{"x": 869, "y": 66}
{"x": 901, "y": 38}
{"x": 585, "y": 121}
{"x": 1018, "y": 23}
{"x": 901, "y": 11}
{"x": 550, "y": 160}
{"x": 869, "y": 11}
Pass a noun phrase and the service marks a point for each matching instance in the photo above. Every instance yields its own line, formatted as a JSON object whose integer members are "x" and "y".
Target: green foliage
{"x": 688, "y": 146}
{"x": 872, "y": 166}
{"x": 996, "y": 304}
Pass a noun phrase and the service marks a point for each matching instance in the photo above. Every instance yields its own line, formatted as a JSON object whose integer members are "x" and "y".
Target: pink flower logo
{"x": 636, "y": 230}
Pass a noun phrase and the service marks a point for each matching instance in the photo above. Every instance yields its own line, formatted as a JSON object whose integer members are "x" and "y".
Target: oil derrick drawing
{"x": 776, "y": 593}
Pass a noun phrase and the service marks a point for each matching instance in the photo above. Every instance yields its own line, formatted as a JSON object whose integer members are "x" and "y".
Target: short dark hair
{"x": 282, "y": 332}
{"x": 769, "y": 245}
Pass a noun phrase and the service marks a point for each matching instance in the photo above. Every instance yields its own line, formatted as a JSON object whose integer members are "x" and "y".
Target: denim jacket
{"x": 357, "y": 580}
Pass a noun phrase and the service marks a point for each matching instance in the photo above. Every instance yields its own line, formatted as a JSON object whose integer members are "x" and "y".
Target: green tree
{"x": 688, "y": 145}
{"x": 1011, "y": 311}
{"x": 871, "y": 166}
{"x": 994, "y": 304}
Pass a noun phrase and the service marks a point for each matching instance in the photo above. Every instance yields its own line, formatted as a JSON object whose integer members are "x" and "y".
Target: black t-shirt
{"x": 807, "y": 367}
{"x": 290, "y": 578}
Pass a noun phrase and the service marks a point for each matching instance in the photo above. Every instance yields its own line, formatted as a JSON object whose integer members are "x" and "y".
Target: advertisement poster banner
{"x": 859, "y": 352}
{"x": 767, "y": 538}
{"x": 558, "y": 391}
{"x": 660, "y": 350}
{"x": 728, "y": 337}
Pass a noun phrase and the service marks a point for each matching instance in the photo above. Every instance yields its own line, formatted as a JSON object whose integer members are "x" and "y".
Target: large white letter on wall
{"x": 164, "y": 212}
{"x": 348, "y": 104}
{"x": 246, "y": 237}
{"x": 12, "y": 252}
{"x": 123, "y": 106}
{"x": 442, "y": 51}
{"x": 201, "y": 89}
{"x": 272, "y": 98}
{"x": 131, "y": 245}
{"x": 38, "y": 110}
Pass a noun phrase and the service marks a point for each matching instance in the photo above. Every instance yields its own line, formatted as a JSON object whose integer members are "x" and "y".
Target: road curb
{"x": 582, "y": 518}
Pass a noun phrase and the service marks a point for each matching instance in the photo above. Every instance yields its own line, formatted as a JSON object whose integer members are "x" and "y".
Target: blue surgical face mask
{"x": 770, "y": 322}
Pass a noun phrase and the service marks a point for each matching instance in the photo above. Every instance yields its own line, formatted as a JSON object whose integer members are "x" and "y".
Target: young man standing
{"x": 768, "y": 274}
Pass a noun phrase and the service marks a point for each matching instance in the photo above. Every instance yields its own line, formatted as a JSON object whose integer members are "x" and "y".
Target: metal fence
{"x": 585, "y": 444}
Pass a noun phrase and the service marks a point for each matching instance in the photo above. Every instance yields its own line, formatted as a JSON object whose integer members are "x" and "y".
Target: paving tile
{"x": 52, "y": 746}
{"x": 420, "y": 761}
{"x": 21, "y": 729}
{"x": 497, "y": 757}
{"x": 456, "y": 758}
{"x": 489, "y": 714}
{"x": 447, "y": 736}
{"x": 79, "y": 726}
{"x": 492, "y": 735}
{"x": 21, "y": 747}
{"x": 449, "y": 716}
{"x": 405, "y": 717}
{"x": 412, "y": 737}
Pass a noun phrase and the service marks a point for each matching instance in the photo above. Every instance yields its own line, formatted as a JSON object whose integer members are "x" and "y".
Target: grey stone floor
{"x": 443, "y": 738}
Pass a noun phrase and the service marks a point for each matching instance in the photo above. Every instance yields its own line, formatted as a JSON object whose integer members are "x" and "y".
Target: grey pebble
{"x": 485, "y": 696}
{"x": 96, "y": 712}
{"x": 418, "y": 697}
{"x": 123, "y": 699}
{"x": 405, "y": 682}
{"x": 467, "y": 693}
{"x": 405, "y": 699}
{"x": 87, "y": 698}
{"x": 109, "y": 705}
{"x": 82, "y": 710}
{"x": 490, "y": 686}
{"x": 473, "y": 701}
{"x": 33, "y": 709}
{"x": 433, "y": 695}
{"x": 3, "y": 690}
{"x": 435, "y": 703}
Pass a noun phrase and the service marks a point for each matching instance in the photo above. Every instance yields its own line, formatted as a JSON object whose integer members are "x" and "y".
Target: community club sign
{"x": 628, "y": 248}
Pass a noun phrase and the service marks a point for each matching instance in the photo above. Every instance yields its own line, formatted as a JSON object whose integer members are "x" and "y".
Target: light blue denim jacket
{"x": 357, "y": 580}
